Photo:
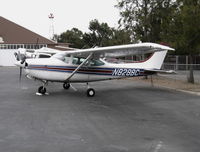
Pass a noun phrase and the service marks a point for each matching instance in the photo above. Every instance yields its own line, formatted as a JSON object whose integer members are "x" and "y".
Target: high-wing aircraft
{"x": 88, "y": 65}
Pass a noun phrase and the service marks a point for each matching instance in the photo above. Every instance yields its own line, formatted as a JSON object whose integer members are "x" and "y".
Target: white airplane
{"x": 88, "y": 65}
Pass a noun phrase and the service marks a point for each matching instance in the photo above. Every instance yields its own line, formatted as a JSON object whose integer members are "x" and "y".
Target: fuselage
{"x": 52, "y": 69}
{"x": 59, "y": 69}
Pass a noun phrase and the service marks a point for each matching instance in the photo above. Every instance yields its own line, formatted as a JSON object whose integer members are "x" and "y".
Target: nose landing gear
{"x": 42, "y": 90}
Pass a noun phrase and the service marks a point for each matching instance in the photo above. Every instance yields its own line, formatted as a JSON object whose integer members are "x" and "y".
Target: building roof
{"x": 12, "y": 33}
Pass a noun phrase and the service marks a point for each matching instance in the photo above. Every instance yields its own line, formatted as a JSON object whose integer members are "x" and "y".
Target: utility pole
{"x": 51, "y": 27}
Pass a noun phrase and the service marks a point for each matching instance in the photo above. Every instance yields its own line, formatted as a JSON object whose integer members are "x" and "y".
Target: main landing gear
{"x": 90, "y": 91}
{"x": 42, "y": 90}
{"x": 66, "y": 86}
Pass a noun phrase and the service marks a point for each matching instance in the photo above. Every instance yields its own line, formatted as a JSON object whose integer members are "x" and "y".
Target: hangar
{"x": 14, "y": 36}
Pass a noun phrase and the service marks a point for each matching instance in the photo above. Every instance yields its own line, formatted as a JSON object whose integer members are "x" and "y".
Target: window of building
{"x": 26, "y": 46}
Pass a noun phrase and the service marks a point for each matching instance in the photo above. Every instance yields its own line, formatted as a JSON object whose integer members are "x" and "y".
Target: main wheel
{"x": 90, "y": 92}
{"x": 66, "y": 86}
{"x": 42, "y": 90}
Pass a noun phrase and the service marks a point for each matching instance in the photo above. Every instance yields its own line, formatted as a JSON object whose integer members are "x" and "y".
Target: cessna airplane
{"x": 89, "y": 65}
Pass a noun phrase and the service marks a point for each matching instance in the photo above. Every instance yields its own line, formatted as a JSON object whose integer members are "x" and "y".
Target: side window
{"x": 77, "y": 60}
{"x": 81, "y": 60}
{"x": 66, "y": 59}
{"x": 96, "y": 63}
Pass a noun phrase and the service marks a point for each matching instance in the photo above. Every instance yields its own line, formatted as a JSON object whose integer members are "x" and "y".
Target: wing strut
{"x": 89, "y": 56}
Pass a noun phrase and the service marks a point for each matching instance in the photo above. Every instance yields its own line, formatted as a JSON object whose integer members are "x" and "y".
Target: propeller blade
{"x": 20, "y": 74}
{"x": 17, "y": 56}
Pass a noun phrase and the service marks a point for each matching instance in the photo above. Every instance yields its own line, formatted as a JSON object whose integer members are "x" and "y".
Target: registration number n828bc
{"x": 126, "y": 72}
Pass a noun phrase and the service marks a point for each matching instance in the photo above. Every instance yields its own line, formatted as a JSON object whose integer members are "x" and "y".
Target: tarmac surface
{"x": 124, "y": 116}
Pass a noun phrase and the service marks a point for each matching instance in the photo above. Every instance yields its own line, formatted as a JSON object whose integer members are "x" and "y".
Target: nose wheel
{"x": 42, "y": 90}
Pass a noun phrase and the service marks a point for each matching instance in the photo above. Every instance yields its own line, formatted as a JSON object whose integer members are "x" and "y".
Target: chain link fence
{"x": 176, "y": 67}
{"x": 181, "y": 62}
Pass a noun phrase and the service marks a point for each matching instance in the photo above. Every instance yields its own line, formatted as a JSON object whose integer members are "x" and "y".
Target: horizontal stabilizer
{"x": 160, "y": 71}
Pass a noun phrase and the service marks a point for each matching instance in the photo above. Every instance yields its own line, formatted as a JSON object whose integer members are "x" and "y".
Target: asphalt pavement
{"x": 124, "y": 116}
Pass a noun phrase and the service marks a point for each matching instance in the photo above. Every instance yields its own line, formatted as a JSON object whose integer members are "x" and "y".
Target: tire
{"x": 42, "y": 90}
{"x": 90, "y": 92}
{"x": 66, "y": 86}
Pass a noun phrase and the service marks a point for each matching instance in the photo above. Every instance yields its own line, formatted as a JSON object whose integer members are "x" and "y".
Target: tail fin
{"x": 155, "y": 61}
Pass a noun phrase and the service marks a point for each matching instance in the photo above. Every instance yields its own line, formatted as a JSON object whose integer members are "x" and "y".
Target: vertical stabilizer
{"x": 156, "y": 60}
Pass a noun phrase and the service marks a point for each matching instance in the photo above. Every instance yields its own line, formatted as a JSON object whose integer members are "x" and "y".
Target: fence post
{"x": 186, "y": 62}
{"x": 176, "y": 62}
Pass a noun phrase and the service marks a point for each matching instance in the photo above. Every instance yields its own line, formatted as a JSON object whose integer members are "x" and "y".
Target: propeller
{"x": 21, "y": 61}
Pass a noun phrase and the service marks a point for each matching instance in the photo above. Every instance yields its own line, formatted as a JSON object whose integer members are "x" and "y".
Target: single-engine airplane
{"x": 88, "y": 65}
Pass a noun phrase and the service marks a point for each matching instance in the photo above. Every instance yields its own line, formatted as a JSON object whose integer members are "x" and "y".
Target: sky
{"x": 33, "y": 14}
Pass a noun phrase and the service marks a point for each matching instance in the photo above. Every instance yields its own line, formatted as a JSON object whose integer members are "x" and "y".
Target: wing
{"x": 117, "y": 51}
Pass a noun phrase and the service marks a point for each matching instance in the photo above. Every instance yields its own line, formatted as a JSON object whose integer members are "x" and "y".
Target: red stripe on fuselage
{"x": 70, "y": 69}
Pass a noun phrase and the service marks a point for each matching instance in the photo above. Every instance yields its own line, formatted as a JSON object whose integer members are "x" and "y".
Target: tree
{"x": 119, "y": 37}
{"x": 73, "y": 36}
{"x": 145, "y": 19}
{"x": 99, "y": 35}
{"x": 102, "y": 35}
{"x": 186, "y": 30}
